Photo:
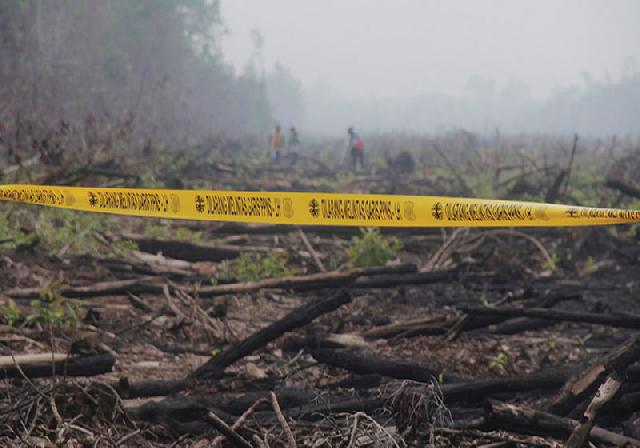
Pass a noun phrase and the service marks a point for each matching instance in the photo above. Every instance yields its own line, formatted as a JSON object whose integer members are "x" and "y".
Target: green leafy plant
{"x": 372, "y": 249}
{"x": 71, "y": 231}
{"x": 254, "y": 266}
{"x": 53, "y": 310}
{"x": 590, "y": 263}
{"x": 550, "y": 265}
{"x": 182, "y": 233}
{"x": 11, "y": 314}
{"x": 59, "y": 313}
{"x": 10, "y": 237}
{"x": 156, "y": 230}
{"x": 123, "y": 246}
{"x": 499, "y": 361}
{"x": 485, "y": 301}
{"x": 332, "y": 263}
{"x": 581, "y": 341}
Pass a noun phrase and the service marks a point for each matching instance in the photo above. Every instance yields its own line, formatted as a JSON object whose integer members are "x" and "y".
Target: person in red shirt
{"x": 357, "y": 149}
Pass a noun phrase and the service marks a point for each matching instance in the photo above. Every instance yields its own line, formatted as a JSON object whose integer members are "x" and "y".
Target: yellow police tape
{"x": 330, "y": 209}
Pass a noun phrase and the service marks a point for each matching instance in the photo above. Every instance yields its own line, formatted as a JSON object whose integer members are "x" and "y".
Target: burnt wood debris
{"x": 150, "y": 333}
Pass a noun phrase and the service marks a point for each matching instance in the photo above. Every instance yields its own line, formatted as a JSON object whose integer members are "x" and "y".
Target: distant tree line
{"x": 596, "y": 108}
{"x": 154, "y": 63}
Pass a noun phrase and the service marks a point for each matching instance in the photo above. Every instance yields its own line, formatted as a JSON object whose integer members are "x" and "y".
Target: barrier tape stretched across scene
{"x": 328, "y": 209}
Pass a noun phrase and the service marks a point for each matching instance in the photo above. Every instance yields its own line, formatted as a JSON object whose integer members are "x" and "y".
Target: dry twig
{"x": 283, "y": 421}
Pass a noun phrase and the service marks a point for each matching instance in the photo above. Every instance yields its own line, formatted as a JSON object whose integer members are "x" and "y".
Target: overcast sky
{"x": 385, "y": 48}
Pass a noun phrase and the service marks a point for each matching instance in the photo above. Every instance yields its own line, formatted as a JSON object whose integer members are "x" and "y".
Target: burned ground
{"x": 167, "y": 332}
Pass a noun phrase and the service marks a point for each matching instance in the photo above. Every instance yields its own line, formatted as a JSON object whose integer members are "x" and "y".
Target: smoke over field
{"x": 140, "y": 331}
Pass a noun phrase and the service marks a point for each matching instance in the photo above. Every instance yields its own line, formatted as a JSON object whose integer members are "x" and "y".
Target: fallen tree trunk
{"x": 402, "y": 274}
{"x": 418, "y": 278}
{"x": 297, "y": 318}
{"x": 525, "y": 420}
{"x": 314, "y": 412}
{"x": 189, "y": 251}
{"x": 619, "y": 320}
{"x": 151, "y": 265}
{"x": 44, "y": 365}
{"x": 151, "y": 388}
{"x": 184, "y": 414}
{"x": 520, "y": 324}
{"x": 498, "y": 323}
{"x": 31, "y": 359}
{"x": 623, "y": 187}
{"x": 111, "y": 288}
{"x": 580, "y": 386}
{"x": 393, "y": 369}
{"x": 480, "y": 389}
{"x": 332, "y": 279}
{"x": 607, "y": 392}
{"x": 414, "y": 327}
{"x": 237, "y": 228}
{"x": 35, "y": 160}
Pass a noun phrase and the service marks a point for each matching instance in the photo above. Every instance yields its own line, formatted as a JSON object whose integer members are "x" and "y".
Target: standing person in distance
{"x": 357, "y": 149}
{"x": 276, "y": 144}
{"x": 293, "y": 143}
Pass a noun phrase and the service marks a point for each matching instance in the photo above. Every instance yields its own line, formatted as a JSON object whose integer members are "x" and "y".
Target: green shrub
{"x": 57, "y": 314}
{"x": 372, "y": 249}
{"x": 12, "y": 238}
{"x": 53, "y": 310}
{"x": 254, "y": 266}
{"x": 499, "y": 362}
{"x": 11, "y": 314}
{"x": 71, "y": 231}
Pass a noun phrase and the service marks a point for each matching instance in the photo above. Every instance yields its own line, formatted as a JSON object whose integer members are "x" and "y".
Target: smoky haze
{"x": 526, "y": 66}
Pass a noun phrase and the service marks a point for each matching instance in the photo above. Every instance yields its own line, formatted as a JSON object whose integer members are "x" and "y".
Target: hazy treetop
{"x": 407, "y": 47}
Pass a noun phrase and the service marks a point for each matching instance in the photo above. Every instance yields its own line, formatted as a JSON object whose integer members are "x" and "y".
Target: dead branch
{"x": 618, "y": 320}
{"x": 580, "y": 386}
{"x": 109, "y": 288}
{"x": 189, "y": 251}
{"x": 334, "y": 279}
{"x": 526, "y": 420}
{"x": 45, "y": 365}
{"x": 414, "y": 327}
{"x": 238, "y": 423}
{"x": 570, "y": 166}
{"x": 149, "y": 388}
{"x": 393, "y": 369}
{"x": 283, "y": 421}
{"x": 314, "y": 254}
{"x": 297, "y": 318}
{"x": 623, "y": 187}
{"x": 479, "y": 389}
{"x": 607, "y": 392}
{"x": 521, "y": 324}
{"x": 463, "y": 185}
{"x": 233, "y": 437}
